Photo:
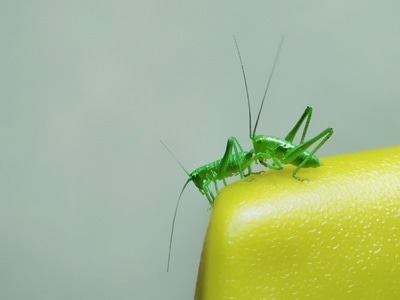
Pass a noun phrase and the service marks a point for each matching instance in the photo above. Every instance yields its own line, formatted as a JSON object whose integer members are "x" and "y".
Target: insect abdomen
{"x": 312, "y": 160}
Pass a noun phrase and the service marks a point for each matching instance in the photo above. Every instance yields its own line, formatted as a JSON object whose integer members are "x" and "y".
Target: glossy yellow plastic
{"x": 336, "y": 236}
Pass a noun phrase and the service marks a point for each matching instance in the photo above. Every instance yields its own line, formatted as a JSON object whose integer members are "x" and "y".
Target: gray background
{"x": 88, "y": 88}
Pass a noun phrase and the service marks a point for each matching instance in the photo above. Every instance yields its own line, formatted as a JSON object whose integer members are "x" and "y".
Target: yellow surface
{"x": 336, "y": 236}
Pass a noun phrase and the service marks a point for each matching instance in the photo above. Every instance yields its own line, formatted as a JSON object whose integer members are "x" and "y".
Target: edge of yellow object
{"x": 335, "y": 236}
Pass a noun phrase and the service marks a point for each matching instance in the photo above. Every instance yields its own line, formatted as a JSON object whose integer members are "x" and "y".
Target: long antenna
{"x": 177, "y": 203}
{"x": 245, "y": 84}
{"x": 268, "y": 82}
{"x": 177, "y": 160}
{"x": 173, "y": 222}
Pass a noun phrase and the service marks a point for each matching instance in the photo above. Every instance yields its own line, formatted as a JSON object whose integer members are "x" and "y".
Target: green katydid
{"x": 234, "y": 162}
{"x": 284, "y": 151}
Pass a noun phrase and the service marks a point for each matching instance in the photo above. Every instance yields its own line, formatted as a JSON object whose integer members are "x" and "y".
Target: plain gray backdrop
{"x": 88, "y": 88}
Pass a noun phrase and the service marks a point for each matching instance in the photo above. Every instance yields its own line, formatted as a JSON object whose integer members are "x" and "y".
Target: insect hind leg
{"x": 232, "y": 146}
{"x": 306, "y": 116}
{"x": 296, "y": 151}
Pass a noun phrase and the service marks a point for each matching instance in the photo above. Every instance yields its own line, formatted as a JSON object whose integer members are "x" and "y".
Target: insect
{"x": 265, "y": 147}
{"x": 234, "y": 162}
{"x": 284, "y": 151}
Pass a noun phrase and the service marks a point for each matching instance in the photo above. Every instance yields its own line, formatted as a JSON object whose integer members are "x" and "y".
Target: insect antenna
{"x": 177, "y": 203}
{"x": 245, "y": 83}
{"x": 177, "y": 160}
{"x": 268, "y": 82}
{"x": 173, "y": 222}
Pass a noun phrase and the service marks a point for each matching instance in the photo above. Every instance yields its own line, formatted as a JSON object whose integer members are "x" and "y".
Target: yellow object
{"x": 336, "y": 236}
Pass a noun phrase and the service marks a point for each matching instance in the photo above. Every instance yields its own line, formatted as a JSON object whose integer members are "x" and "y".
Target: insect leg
{"x": 216, "y": 184}
{"x": 231, "y": 145}
{"x": 305, "y": 116}
{"x": 248, "y": 160}
{"x": 296, "y": 151}
{"x": 276, "y": 165}
{"x": 210, "y": 196}
{"x": 205, "y": 190}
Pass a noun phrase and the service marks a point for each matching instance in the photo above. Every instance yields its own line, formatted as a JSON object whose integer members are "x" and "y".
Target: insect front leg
{"x": 216, "y": 184}
{"x": 276, "y": 163}
{"x": 305, "y": 116}
{"x": 205, "y": 190}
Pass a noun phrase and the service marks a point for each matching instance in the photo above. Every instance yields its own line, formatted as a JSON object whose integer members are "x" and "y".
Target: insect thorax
{"x": 198, "y": 179}
{"x": 274, "y": 146}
